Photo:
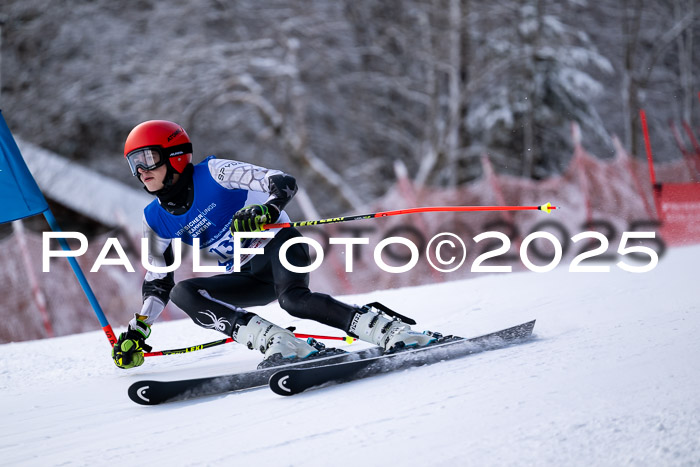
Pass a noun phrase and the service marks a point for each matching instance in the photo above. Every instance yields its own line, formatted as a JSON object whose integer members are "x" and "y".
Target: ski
{"x": 150, "y": 392}
{"x": 290, "y": 381}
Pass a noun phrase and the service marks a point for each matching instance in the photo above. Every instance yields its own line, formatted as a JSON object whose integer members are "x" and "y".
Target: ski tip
{"x": 528, "y": 328}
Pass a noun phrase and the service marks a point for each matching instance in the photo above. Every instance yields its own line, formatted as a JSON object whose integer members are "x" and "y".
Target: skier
{"x": 211, "y": 201}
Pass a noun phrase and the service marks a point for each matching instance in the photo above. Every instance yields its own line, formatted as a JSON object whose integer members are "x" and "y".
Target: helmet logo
{"x": 177, "y": 132}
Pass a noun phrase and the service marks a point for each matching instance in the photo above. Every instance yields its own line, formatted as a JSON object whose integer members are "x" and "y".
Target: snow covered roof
{"x": 83, "y": 190}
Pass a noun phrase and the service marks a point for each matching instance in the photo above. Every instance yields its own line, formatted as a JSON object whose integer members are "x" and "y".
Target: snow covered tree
{"x": 335, "y": 92}
{"x": 644, "y": 49}
{"x": 533, "y": 81}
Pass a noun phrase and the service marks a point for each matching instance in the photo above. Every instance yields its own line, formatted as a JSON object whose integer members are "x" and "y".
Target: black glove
{"x": 128, "y": 351}
{"x": 252, "y": 218}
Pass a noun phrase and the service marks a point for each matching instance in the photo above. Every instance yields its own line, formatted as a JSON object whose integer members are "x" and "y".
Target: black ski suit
{"x": 216, "y": 302}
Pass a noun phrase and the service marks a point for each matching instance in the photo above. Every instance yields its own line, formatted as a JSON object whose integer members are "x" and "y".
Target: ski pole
{"x": 188, "y": 349}
{"x": 333, "y": 220}
{"x": 194, "y": 348}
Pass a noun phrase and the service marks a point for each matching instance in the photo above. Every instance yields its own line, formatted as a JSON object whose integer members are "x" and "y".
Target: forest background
{"x": 335, "y": 91}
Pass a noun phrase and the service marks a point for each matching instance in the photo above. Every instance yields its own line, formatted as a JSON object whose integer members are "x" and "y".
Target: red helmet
{"x": 156, "y": 142}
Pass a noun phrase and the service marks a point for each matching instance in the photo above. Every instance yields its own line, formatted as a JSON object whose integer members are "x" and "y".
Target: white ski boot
{"x": 275, "y": 343}
{"x": 391, "y": 333}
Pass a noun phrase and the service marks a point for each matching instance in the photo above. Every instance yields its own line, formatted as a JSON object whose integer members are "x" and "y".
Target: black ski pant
{"x": 215, "y": 302}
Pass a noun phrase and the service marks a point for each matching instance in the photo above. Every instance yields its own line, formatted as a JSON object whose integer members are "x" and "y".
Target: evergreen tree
{"x": 538, "y": 84}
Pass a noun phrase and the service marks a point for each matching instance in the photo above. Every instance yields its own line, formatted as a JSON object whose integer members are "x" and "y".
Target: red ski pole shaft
{"x": 194, "y": 348}
{"x": 347, "y": 339}
{"x": 334, "y": 220}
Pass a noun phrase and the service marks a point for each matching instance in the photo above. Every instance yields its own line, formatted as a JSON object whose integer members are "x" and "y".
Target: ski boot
{"x": 377, "y": 324}
{"x": 279, "y": 346}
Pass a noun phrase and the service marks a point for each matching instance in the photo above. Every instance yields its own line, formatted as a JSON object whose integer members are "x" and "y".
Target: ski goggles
{"x": 152, "y": 157}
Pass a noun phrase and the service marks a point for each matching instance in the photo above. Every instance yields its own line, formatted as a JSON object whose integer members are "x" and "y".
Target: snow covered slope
{"x": 612, "y": 378}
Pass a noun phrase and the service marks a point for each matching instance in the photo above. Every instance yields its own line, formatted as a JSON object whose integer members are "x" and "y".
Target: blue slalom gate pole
{"x": 21, "y": 197}
{"x": 106, "y": 327}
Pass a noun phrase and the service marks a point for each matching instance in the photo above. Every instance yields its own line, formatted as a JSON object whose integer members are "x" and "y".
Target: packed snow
{"x": 611, "y": 378}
